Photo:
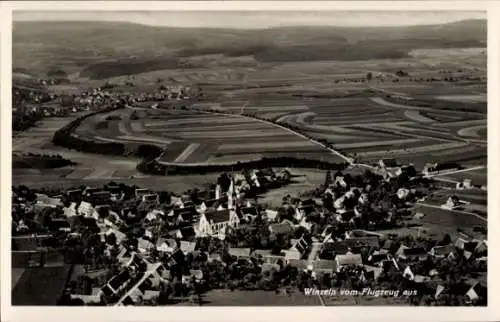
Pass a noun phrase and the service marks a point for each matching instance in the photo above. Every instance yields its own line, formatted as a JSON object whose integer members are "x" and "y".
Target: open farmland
{"x": 372, "y": 127}
{"x": 193, "y": 137}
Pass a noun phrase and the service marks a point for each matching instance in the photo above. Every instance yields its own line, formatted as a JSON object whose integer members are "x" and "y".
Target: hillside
{"x": 74, "y": 46}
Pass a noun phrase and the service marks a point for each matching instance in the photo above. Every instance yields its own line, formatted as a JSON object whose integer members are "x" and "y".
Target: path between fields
{"x": 454, "y": 211}
{"x": 480, "y": 167}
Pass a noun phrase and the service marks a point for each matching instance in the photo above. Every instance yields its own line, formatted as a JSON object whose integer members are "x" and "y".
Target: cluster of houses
{"x": 390, "y": 168}
{"x": 171, "y": 230}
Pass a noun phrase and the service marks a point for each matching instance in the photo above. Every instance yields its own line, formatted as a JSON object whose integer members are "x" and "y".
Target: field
{"x": 369, "y": 127}
{"x": 40, "y": 286}
{"x": 192, "y": 137}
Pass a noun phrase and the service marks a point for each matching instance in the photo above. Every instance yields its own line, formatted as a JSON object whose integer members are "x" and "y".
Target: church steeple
{"x": 231, "y": 195}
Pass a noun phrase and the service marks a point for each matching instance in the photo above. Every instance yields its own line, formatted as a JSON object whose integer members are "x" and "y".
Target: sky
{"x": 256, "y": 19}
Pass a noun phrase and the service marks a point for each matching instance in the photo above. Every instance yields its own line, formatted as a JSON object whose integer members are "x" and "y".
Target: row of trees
{"x": 156, "y": 168}
{"x": 40, "y": 161}
{"x": 65, "y": 137}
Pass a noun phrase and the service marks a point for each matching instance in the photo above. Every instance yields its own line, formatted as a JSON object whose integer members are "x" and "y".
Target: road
{"x": 313, "y": 254}
{"x": 454, "y": 211}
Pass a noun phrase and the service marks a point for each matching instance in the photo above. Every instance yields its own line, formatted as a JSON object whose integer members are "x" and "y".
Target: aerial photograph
{"x": 249, "y": 158}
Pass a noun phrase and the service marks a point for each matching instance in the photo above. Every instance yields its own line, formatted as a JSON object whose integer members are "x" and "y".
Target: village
{"x": 127, "y": 245}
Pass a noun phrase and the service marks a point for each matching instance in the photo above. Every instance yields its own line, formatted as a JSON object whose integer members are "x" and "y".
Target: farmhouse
{"x": 388, "y": 163}
{"x": 437, "y": 168}
{"x": 442, "y": 251}
{"x": 347, "y": 260}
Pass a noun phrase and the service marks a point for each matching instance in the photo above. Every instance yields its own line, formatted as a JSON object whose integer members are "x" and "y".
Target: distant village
{"x": 132, "y": 246}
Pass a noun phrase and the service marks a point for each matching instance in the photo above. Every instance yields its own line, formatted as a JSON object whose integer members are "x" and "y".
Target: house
{"x": 151, "y": 199}
{"x": 88, "y": 299}
{"x": 482, "y": 247}
{"x": 84, "y": 223}
{"x": 265, "y": 267}
{"x": 367, "y": 241}
{"x": 151, "y": 296}
{"x": 300, "y": 264}
{"x": 197, "y": 274}
{"x": 403, "y": 193}
{"x": 270, "y": 214}
{"x": 465, "y": 184}
{"x": 306, "y": 224}
{"x": 120, "y": 237}
{"x": 323, "y": 266}
{"x": 85, "y": 209}
{"x": 436, "y": 168}
{"x": 411, "y": 254}
{"x": 214, "y": 257}
{"x": 363, "y": 199}
{"x": 370, "y": 273}
{"x": 302, "y": 244}
{"x": 217, "y": 222}
{"x": 260, "y": 253}
{"x": 176, "y": 258}
{"x": 340, "y": 182}
{"x": 248, "y": 213}
{"x": 71, "y": 210}
{"x": 151, "y": 280}
{"x": 410, "y": 274}
{"x": 330, "y": 250}
{"x": 144, "y": 245}
{"x": 452, "y": 203}
{"x": 99, "y": 198}
{"x": 303, "y": 211}
{"x": 239, "y": 253}
{"x": 140, "y": 192}
{"x": 273, "y": 259}
{"x": 89, "y": 191}
{"x": 59, "y": 225}
{"x": 116, "y": 284}
{"x": 154, "y": 215}
{"x": 461, "y": 242}
{"x": 344, "y": 216}
{"x": 187, "y": 233}
{"x": 442, "y": 251}
{"x": 476, "y": 293}
{"x": 187, "y": 247}
{"x": 388, "y": 163}
{"x": 467, "y": 247}
{"x": 283, "y": 228}
{"x": 292, "y": 254}
{"x": 347, "y": 260}
{"x": 362, "y": 233}
{"x": 74, "y": 195}
{"x": 339, "y": 203}
{"x": 378, "y": 257}
{"x": 166, "y": 245}
{"x": 440, "y": 289}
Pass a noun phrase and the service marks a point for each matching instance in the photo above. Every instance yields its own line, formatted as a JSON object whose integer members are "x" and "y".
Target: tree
{"x": 446, "y": 240}
{"x": 328, "y": 179}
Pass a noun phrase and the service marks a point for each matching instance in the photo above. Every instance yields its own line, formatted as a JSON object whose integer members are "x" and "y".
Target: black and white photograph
{"x": 273, "y": 158}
